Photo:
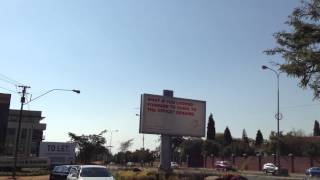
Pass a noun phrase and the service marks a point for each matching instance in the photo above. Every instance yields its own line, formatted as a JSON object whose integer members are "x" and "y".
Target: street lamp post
{"x": 278, "y": 115}
{"x": 110, "y": 143}
{"x": 23, "y": 102}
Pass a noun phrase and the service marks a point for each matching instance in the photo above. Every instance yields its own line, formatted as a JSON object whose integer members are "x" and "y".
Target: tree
{"x": 210, "y": 147}
{"x": 296, "y": 133}
{"x": 89, "y": 146}
{"x": 300, "y": 46}
{"x": 239, "y": 148}
{"x": 192, "y": 149}
{"x": 124, "y": 146}
{"x": 143, "y": 156}
{"x": 176, "y": 146}
{"x": 245, "y": 138}
{"x": 176, "y": 141}
{"x": 259, "y": 138}
{"x": 211, "y": 130}
{"x": 316, "y": 128}
{"x": 227, "y": 136}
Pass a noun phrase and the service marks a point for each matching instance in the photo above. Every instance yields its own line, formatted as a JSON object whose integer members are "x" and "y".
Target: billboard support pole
{"x": 165, "y": 149}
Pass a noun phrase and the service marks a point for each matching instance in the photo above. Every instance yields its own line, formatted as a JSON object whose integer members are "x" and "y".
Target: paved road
{"x": 255, "y": 177}
{"x": 264, "y": 177}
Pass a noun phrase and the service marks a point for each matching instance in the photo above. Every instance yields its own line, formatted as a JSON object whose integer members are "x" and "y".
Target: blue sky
{"x": 113, "y": 51}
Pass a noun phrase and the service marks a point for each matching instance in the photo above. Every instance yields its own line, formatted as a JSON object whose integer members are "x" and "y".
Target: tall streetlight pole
{"x": 23, "y": 102}
{"x": 278, "y": 115}
{"x": 110, "y": 143}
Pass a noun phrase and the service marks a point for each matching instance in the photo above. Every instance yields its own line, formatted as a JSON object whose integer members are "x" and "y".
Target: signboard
{"x": 172, "y": 116}
{"x": 58, "y": 152}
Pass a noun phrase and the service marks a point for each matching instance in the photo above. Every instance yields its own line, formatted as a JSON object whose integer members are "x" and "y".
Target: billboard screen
{"x": 172, "y": 116}
{"x": 58, "y": 152}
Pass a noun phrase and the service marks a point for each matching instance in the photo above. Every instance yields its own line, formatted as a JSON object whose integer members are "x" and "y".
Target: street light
{"x": 23, "y": 99}
{"x": 72, "y": 90}
{"x": 278, "y": 115}
{"x": 110, "y": 143}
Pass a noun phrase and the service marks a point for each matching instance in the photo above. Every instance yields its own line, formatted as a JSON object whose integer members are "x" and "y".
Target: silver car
{"x": 270, "y": 168}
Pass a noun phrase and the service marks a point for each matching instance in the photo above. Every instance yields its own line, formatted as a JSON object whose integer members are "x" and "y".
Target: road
{"x": 262, "y": 177}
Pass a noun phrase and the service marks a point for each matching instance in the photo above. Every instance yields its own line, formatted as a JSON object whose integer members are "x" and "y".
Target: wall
{"x": 295, "y": 164}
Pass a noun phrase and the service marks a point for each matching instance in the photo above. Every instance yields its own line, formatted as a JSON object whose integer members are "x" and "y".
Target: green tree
{"x": 245, "y": 138}
{"x": 316, "y": 128}
{"x": 124, "y": 146}
{"x": 211, "y": 130}
{"x": 192, "y": 147}
{"x": 176, "y": 147}
{"x": 299, "y": 46}
{"x": 238, "y": 147}
{"x": 210, "y": 147}
{"x": 89, "y": 146}
{"x": 297, "y": 132}
{"x": 259, "y": 138}
{"x": 143, "y": 156}
{"x": 176, "y": 142}
{"x": 227, "y": 136}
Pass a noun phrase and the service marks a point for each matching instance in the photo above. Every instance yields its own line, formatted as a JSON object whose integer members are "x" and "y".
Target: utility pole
{"x": 23, "y": 99}
{"x": 143, "y": 141}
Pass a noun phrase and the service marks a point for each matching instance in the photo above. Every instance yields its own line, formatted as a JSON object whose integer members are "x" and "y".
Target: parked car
{"x": 224, "y": 165}
{"x": 313, "y": 171}
{"x": 130, "y": 164}
{"x": 61, "y": 172}
{"x": 174, "y": 165}
{"x": 269, "y": 168}
{"x": 90, "y": 172}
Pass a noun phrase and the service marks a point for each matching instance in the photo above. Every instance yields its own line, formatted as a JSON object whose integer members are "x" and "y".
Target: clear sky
{"x": 113, "y": 51}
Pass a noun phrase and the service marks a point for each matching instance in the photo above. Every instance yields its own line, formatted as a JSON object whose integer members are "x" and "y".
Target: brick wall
{"x": 293, "y": 164}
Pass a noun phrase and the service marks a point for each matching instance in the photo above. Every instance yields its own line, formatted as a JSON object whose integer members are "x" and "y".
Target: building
{"x": 31, "y": 134}
{"x": 4, "y": 114}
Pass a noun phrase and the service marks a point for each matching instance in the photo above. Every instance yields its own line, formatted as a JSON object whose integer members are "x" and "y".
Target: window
{"x": 24, "y": 134}
{"x": 11, "y": 131}
{"x": 94, "y": 172}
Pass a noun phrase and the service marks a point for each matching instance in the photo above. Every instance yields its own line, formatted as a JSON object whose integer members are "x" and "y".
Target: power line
{"x": 9, "y": 80}
{"x": 4, "y": 80}
{"x": 300, "y": 106}
{"x": 8, "y": 90}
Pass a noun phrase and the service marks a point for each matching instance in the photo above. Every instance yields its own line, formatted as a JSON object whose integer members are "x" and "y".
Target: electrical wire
{"x": 9, "y": 80}
{"x": 8, "y": 90}
{"x": 299, "y": 106}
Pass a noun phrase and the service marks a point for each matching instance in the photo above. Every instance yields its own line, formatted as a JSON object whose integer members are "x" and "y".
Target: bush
{"x": 231, "y": 177}
{"x": 153, "y": 175}
{"x": 26, "y": 172}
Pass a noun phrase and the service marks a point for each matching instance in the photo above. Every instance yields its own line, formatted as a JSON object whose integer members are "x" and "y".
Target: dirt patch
{"x": 46, "y": 177}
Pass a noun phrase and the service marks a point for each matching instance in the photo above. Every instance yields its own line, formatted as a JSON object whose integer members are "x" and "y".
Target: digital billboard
{"x": 172, "y": 116}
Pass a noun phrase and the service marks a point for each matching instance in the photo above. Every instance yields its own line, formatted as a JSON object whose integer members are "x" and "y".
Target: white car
{"x": 90, "y": 172}
{"x": 130, "y": 164}
{"x": 174, "y": 165}
{"x": 270, "y": 168}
